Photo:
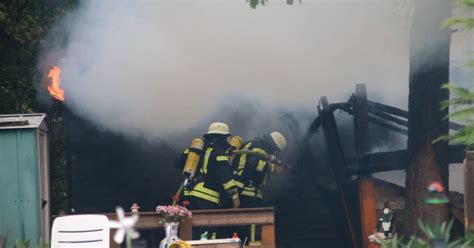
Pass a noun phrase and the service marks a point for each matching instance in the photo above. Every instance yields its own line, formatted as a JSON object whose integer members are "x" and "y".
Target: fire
{"x": 54, "y": 87}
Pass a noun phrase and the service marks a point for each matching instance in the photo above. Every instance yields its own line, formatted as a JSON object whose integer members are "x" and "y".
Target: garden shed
{"x": 24, "y": 173}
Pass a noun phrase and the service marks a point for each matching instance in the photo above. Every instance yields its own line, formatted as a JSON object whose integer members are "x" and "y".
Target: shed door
{"x": 44, "y": 184}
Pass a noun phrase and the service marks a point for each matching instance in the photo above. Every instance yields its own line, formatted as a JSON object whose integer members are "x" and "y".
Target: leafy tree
{"x": 255, "y": 3}
{"x": 23, "y": 27}
{"x": 462, "y": 99}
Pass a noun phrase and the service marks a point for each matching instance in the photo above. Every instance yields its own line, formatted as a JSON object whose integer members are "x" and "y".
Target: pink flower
{"x": 173, "y": 213}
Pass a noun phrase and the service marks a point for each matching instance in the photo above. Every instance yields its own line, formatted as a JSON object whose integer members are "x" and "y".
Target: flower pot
{"x": 171, "y": 230}
{"x": 438, "y": 243}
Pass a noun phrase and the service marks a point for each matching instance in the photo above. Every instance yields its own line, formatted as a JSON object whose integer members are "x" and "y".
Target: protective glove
{"x": 236, "y": 201}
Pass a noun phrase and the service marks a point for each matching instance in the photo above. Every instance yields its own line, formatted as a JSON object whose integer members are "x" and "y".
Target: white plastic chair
{"x": 80, "y": 231}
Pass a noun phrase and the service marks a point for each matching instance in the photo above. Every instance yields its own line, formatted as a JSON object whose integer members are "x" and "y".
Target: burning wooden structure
{"x": 359, "y": 224}
{"x": 340, "y": 205}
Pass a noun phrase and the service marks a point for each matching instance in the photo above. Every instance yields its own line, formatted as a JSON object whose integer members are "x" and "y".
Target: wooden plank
{"x": 268, "y": 235}
{"x": 388, "y": 117}
{"x": 186, "y": 229}
{"x": 216, "y": 243}
{"x": 469, "y": 192}
{"x": 366, "y": 184}
{"x": 112, "y": 243}
{"x": 235, "y": 219}
{"x": 381, "y": 122}
{"x": 361, "y": 120}
{"x": 389, "y": 109}
{"x": 368, "y": 210}
{"x": 458, "y": 214}
{"x": 337, "y": 198}
{"x": 394, "y": 160}
{"x": 395, "y": 202}
{"x": 220, "y": 217}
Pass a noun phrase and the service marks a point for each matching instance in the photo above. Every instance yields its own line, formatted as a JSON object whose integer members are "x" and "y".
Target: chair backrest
{"x": 80, "y": 231}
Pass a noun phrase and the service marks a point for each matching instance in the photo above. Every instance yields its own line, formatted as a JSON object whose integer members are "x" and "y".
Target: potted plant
{"x": 171, "y": 216}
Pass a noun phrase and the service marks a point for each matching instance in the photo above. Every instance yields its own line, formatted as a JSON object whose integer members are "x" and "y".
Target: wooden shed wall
{"x": 19, "y": 196}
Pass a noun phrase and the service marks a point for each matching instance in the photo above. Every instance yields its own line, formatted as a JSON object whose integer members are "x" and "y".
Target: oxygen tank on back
{"x": 192, "y": 161}
{"x": 235, "y": 144}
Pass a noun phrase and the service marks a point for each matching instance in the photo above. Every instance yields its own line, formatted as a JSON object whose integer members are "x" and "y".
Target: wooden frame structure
{"x": 363, "y": 164}
{"x": 207, "y": 218}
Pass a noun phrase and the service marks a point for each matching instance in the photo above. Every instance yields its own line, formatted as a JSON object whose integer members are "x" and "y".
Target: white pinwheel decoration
{"x": 124, "y": 226}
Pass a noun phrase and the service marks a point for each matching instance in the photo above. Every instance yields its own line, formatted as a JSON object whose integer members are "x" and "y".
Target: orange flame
{"x": 54, "y": 87}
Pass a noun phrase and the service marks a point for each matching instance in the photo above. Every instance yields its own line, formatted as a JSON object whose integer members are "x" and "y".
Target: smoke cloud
{"x": 156, "y": 68}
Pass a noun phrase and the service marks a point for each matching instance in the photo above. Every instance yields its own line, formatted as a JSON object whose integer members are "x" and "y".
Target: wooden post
{"x": 368, "y": 210}
{"x": 268, "y": 235}
{"x": 186, "y": 229}
{"x": 112, "y": 243}
{"x": 341, "y": 212}
{"x": 469, "y": 192}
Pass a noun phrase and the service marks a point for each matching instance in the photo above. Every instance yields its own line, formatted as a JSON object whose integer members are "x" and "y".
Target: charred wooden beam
{"x": 393, "y": 160}
{"x": 367, "y": 203}
{"x": 379, "y": 107}
{"x": 389, "y": 109}
{"x": 383, "y": 123}
{"x": 316, "y": 124}
{"x": 333, "y": 141}
{"x": 388, "y": 117}
{"x": 338, "y": 166}
{"x": 378, "y": 162}
{"x": 313, "y": 128}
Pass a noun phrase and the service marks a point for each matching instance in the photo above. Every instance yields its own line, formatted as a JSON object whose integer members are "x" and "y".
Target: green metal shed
{"x": 24, "y": 178}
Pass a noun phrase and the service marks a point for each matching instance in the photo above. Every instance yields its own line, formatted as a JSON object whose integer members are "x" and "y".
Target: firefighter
{"x": 251, "y": 170}
{"x": 214, "y": 180}
{"x": 251, "y": 167}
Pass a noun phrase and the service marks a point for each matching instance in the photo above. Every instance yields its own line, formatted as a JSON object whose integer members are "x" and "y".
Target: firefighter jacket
{"x": 214, "y": 176}
{"x": 251, "y": 171}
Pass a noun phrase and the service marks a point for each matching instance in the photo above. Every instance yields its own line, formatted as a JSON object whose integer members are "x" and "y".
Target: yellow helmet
{"x": 218, "y": 128}
{"x": 279, "y": 140}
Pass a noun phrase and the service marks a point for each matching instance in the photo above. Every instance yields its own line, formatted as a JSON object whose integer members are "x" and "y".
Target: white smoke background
{"x": 155, "y": 68}
{"x": 166, "y": 69}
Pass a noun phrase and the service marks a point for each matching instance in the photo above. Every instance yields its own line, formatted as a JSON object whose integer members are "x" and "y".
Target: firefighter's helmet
{"x": 279, "y": 140}
{"x": 218, "y": 128}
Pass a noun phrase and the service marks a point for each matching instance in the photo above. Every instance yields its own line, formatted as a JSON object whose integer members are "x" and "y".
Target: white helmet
{"x": 279, "y": 140}
{"x": 218, "y": 128}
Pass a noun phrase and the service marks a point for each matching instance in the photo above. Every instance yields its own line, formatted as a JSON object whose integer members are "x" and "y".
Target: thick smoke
{"x": 156, "y": 68}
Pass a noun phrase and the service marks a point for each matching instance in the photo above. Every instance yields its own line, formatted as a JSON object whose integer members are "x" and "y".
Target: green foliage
{"x": 21, "y": 244}
{"x": 42, "y": 244}
{"x": 255, "y": 3}
{"x": 398, "y": 242}
{"x": 4, "y": 239}
{"x": 462, "y": 99}
{"x": 23, "y": 27}
{"x": 439, "y": 231}
{"x": 463, "y": 23}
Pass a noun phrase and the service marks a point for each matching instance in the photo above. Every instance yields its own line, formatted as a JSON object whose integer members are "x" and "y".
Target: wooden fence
{"x": 213, "y": 218}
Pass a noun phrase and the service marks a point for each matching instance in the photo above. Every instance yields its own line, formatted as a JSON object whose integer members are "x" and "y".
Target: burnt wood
{"x": 338, "y": 197}
{"x": 367, "y": 208}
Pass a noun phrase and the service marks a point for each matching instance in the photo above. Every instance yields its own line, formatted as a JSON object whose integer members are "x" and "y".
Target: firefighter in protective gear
{"x": 214, "y": 174}
{"x": 251, "y": 170}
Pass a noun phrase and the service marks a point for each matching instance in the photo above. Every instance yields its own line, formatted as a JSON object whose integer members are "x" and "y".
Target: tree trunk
{"x": 429, "y": 70}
